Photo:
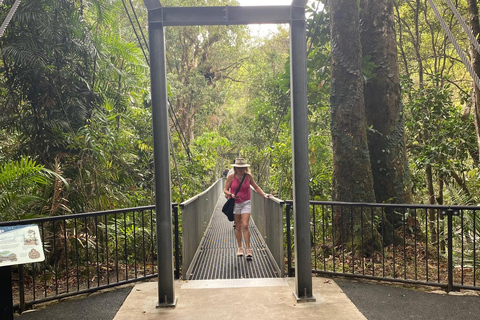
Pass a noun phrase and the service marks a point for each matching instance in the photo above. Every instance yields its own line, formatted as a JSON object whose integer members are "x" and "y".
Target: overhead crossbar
{"x": 300, "y": 3}
{"x": 192, "y": 16}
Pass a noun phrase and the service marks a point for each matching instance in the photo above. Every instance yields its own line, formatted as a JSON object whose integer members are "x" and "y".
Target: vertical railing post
{"x": 21, "y": 287}
{"x": 299, "y": 115}
{"x": 288, "y": 210}
{"x": 450, "y": 213}
{"x": 177, "y": 245}
{"x": 161, "y": 154}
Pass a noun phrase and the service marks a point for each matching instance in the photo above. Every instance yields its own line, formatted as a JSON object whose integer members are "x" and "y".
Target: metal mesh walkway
{"x": 216, "y": 256}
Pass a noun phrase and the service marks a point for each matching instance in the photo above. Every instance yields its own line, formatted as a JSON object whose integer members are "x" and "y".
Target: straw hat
{"x": 240, "y": 163}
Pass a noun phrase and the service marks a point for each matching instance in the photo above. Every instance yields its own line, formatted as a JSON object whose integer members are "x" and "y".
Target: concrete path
{"x": 240, "y": 299}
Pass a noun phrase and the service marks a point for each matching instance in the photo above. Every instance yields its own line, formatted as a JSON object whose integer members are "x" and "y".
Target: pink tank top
{"x": 244, "y": 192}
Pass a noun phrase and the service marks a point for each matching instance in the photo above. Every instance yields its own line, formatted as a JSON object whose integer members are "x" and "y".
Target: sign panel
{"x": 20, "y": 244}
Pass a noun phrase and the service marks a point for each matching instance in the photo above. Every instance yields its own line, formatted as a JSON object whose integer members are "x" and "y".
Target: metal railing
{"x": 196, "y": 214}
{"x": 89, "y": 252}
{"x": 268, "y": 217}
{"x": 416, "y": 244}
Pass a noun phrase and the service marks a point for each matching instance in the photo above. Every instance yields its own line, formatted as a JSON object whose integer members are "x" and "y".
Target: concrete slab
{"x": 256, "y": 298}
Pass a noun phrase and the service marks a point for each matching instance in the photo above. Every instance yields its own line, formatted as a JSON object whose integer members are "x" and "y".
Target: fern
{"x": 20, "y": 181}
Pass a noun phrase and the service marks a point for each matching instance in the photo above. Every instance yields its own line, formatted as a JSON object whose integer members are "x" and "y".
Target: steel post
{"x": 299, "y": 119}
{"x": 177, "y": 242}
{"x": 450, "y": 213}
{"x": 161, "y": 155}
{"x": 6, "y": 303}
{"x": 450, "y": 250}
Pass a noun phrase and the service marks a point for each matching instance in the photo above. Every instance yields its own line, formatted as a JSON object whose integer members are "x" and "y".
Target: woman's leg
{"x": 245, "y": 218}
{"x": 238, "y": 229}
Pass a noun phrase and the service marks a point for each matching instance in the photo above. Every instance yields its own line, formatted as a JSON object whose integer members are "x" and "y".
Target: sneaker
{"x": 249, "y": 253}
{"x": 240, "y": 252}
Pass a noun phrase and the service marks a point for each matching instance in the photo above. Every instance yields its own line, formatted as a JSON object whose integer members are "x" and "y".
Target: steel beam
{"x": 161, "y": 155}
{"x": 301, "y": 196}
{"x": 299, "y": 3}
{"x": 192, "y": 16}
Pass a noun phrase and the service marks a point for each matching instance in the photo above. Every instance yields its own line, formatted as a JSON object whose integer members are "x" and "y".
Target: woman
{"x": 242, "y": 210}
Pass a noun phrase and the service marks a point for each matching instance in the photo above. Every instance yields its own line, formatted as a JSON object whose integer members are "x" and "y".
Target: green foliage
{"x": 129, "y": 238}
{"x": 319, "y": 139}
{"x": 75, "y": 92}
{"x": 76, "y": 88}
{"x": 21, "y": 185}
{"x": 436, "y": 134}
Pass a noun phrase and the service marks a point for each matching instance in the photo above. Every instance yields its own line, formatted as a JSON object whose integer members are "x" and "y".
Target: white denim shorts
{"x": 243, "y": 207}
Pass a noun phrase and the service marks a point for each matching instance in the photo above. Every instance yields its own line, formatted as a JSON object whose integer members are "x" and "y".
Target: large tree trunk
{"x": 383, "y": 108}
{"x": 475, "y": 26}
{"x": 352, "y": 176}
{"x": 384, "y": 111}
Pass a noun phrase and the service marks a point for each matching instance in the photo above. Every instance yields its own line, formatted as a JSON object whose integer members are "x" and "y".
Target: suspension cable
{"x": 138, "y": 23}
{"x": 9, "y": 16}
{"x": 135, "y": 31}
{"x": 452, "y": 39}
{"x": 467, "y": 30}
{"x": 176, "y": 124}
{"x": 171, "y": 112}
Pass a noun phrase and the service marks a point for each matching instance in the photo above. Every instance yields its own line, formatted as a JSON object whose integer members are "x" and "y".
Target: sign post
{"x": 6, "y": 303}
{"x": 18, "y": 245}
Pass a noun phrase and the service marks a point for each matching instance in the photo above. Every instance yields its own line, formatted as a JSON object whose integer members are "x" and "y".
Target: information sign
{"x": 20, "y": 244}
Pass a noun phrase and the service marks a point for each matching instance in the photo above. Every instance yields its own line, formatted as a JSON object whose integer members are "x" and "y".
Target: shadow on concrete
{"x": 97, "y": 306}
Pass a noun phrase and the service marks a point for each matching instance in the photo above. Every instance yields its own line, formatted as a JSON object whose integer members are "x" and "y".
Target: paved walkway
{"x": 96, "y": 306}
{"x": 238, "y": 299}
{"x": 385, "y": 301}
{"x": 336, "y": 299}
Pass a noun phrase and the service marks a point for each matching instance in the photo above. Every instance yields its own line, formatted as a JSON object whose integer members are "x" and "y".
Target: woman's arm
{"x": 228, "y": 183}
{"x": 256, "y": 187}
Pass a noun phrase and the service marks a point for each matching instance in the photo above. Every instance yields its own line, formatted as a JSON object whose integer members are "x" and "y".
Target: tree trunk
{"x": 383, "y": 108}
{"x": 475, "y": 26}
{"x": 352, "y": 175}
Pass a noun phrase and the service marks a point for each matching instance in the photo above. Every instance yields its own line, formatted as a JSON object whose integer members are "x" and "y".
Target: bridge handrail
{"x": 391, "y": 205}
{"x": 76, "y": 216}
{"x": 195, "y": 197}
{"x": 268, "y": 217}
{"x": 196, "y": 216}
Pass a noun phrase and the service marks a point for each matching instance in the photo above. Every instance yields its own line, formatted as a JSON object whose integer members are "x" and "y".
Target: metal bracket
{"x": 451, "y": 212}
{"x": 226, "y": 14}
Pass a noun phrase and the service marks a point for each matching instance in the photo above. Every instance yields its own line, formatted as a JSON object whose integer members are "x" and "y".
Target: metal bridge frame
{"x": 160, "y": 17}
